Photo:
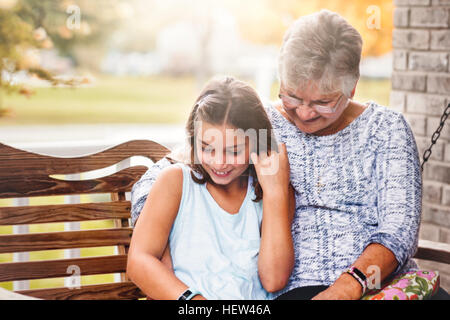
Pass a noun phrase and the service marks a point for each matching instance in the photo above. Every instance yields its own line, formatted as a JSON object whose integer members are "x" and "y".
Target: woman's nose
{"x": 305, "y": 113}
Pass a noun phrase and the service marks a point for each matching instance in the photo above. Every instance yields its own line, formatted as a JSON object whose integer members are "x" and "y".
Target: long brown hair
{"x": 229, "y": 101}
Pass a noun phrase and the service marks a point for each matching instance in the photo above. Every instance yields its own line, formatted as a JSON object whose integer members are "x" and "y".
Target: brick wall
{"x": 421, "y": 91}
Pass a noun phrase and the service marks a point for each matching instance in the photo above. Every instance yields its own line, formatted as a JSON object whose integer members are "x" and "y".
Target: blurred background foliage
{"x": 268, "y": 24}
{"x": 106, "y": 48}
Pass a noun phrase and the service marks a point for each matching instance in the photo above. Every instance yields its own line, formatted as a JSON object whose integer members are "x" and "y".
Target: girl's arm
{"x": 276, "y": 256}
{"x": 150, "y": 238}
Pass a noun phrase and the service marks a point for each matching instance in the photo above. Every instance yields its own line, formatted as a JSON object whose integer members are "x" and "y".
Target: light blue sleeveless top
{"x": 214, "y": 251}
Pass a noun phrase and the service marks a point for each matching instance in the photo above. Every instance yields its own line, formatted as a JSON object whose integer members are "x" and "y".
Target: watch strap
{"x": 188, "y": 294}
{"x": 359, "y": 276}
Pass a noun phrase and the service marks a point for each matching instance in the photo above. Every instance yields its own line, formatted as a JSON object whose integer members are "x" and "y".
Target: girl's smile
{"x": 221, "y": 174}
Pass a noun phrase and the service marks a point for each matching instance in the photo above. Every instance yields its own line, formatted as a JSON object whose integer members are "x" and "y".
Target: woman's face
{"x": 223, "y": 151}
{"x": 305, "y": 117}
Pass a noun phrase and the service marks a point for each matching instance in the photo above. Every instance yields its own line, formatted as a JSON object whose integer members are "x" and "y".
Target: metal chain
{"x": 436, "y": 135}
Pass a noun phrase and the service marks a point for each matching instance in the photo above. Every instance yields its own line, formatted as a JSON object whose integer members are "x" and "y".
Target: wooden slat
{"x": 65, "y": 212}
{"x": 111, "y": 291}
{"x": 433, "y": 251}
{"x": 121, "y": 223}
{"x": 64, "y": 240}
{"x": 30, "y": 186}
{"x": 9, "y": 295}
{"x": 21, "y": 163}
{"x": 26, "y": 174}
{"x": 58, "y": 268}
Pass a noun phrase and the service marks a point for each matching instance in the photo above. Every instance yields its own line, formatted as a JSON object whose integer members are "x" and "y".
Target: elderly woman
{"x": 354, "y": 167}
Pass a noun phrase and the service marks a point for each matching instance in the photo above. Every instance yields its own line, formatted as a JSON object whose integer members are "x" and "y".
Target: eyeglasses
{"x": 291, "y": 103}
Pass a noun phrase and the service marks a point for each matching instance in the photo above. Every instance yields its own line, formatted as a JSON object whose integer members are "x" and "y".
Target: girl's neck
{"x": 234, "y": 187}
{"x": 229, "y": 197}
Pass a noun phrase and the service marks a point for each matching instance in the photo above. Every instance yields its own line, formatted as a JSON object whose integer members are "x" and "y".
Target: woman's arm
{"x": 348, "y": 288}
{"x": 399, "y": 203}
{"x": 150, "y": 238}
{"x": 276, "y": 255}
{"x": 140, "y": 190}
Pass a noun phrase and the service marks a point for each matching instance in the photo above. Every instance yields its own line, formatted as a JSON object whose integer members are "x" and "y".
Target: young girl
{"x": 227, "y": 222}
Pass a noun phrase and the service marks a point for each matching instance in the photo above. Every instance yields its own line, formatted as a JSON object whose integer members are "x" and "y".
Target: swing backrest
{"x": 25, "y": 174}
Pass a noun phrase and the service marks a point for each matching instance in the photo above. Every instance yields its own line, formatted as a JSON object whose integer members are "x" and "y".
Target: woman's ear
{"x": 352, "y": 94}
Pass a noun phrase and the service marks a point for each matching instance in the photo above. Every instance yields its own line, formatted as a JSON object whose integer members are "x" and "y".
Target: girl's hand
{"x": 273, "y": 169}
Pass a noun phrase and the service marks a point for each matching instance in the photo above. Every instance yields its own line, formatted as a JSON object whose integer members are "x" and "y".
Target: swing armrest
{"x": 433, "y": 251}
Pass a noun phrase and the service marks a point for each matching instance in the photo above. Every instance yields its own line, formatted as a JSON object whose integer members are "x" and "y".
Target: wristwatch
{"x": 359, "y": 276}
{"x": 188, "y": 294}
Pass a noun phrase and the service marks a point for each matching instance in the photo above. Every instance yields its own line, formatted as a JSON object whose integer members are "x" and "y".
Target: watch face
{"x": 360, "y": 274}
{"x": 185, "y": 295}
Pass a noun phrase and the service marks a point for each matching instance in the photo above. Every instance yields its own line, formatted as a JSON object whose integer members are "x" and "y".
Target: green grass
{"x": 108, "y": 100}
{"x": 132, "y": 100}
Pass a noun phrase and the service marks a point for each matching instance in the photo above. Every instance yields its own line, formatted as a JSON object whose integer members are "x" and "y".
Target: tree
{"x": 265, "y": 21}
{"x": 29, "y": 25}
{"x": 76, "y": 26}
{"x": 17, "y": 37}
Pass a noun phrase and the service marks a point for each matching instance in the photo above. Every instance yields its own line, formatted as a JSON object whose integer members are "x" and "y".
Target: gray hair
{"x": 322, "y": 47}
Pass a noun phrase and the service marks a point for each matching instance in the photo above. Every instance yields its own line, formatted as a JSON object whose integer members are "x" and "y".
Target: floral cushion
{"x": 413, "y": 285}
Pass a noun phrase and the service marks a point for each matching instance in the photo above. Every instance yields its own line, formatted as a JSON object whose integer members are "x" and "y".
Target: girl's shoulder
{"x": 178, "y": 177}
{"x": 173, "y": 171}
{"x": 171, "y": 179}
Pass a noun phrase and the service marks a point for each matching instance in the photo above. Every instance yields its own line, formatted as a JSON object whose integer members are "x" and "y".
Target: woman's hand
{"x": 345, "y": 288}
{"x": 273, "y": 169}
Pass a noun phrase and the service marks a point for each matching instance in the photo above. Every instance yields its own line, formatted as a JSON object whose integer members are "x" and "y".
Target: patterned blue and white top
{"x": 358, "y": 186}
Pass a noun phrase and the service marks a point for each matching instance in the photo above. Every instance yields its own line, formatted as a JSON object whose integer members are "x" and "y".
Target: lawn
{"x": 132, "y": 100}
{"x": 107, "y": 100}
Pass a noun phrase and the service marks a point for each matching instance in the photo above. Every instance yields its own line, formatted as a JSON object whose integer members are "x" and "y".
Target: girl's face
{"x": 222, "y": 150}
